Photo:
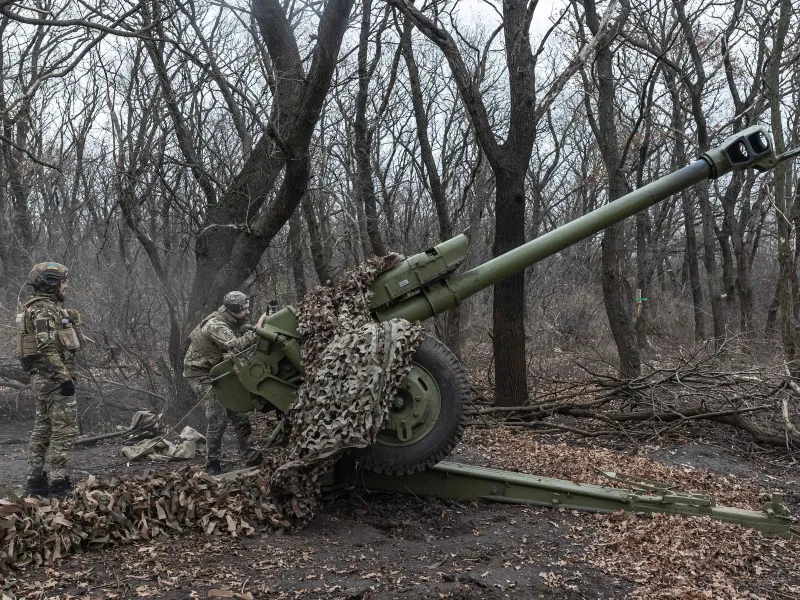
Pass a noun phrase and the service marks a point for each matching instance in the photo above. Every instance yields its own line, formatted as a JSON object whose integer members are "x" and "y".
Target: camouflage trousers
{"x": 217, "y": 417}
{"x": 55, "y": 428}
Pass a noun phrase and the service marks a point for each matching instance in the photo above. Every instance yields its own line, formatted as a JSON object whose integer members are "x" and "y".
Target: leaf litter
{"x": 665, "y": 556}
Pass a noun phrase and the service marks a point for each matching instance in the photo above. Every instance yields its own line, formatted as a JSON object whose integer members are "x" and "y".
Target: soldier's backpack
{"x": 26, "y": 342}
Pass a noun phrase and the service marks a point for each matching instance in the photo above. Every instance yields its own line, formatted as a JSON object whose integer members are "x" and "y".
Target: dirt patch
{"x": 375, "y": 545}
{"x": 378, "y": 546}
{"x": 704, "y": 456}
{"x": 103, "y": 458}
{"x": 780, "y": 475}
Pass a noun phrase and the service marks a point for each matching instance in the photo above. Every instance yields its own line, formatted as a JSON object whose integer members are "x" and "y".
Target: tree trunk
{"x": 696, "y": 90}
{"x": 728, "y": 275}
{"x": 508, "y": 318}
{"x": 451, "y": 321}
{"x": 17, "y": 240}
{"x": 745, "y": 291}
{"x": 318, "y": 255}
{"x": 786, "y": 258}
{"x": 509, "y": 161}
{"x": 642, "y": 279}
{"x": 713, "y": 279}
{"x": 239, "y": 226}
{"x": 362, "y": 142}
{"x": 296, "y": 255}
{"x": 687, "y": 207}
{"x": 227, "y": 250}
{"x": 616, "y": 294}
{"x": 770, "y": 329}
{"x": 693, "y": 267}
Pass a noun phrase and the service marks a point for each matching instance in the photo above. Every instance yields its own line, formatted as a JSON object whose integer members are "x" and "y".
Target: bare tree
{"x": 616, "y": 296}
{"x": 30, "y": 59}
{"x": 509, "y": 161}
{"x": 787, "y": 258}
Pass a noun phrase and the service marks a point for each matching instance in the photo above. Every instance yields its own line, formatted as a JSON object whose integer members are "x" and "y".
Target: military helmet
{"x": 236, "y": 302}
{"x": 47, "y": 276}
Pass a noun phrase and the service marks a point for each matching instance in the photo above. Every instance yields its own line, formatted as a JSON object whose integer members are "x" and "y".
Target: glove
{"x": 74, "y": 316}
{"x": 67, "y": 388}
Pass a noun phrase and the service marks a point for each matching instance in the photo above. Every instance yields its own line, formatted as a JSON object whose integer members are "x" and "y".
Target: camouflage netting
{"x": 353, "y": 367}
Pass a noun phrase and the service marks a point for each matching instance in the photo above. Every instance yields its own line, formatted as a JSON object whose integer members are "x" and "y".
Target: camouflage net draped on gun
{"x": 353, "y": 367}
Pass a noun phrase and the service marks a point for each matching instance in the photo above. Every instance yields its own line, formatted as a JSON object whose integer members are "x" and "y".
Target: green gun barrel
{"x": 749, "y": 148}
{"x": 426, "y": 284}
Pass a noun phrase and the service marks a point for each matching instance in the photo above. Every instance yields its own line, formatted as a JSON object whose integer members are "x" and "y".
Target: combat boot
{"x": 60, "y": 488}
{"x": 213, "y": 468}
{"x": 255, "y": 460}
{"x": 37, "y": 486}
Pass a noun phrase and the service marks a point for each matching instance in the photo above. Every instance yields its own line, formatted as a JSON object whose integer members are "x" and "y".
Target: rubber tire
{"x": 446, "y": 369}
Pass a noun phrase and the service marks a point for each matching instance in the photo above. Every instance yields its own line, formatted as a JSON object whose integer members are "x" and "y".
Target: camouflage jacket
{"x": 56, "y": 345}
{"x": 216, "y": 335}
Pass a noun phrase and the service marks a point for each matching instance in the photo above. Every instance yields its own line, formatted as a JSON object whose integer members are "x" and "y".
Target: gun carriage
{"x": 426, "y": 414}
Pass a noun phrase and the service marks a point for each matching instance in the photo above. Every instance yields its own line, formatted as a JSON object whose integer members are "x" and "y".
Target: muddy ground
{"x": 369, "y": 545}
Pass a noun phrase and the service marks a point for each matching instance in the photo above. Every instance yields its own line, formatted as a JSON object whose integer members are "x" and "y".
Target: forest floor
{"x": 382, "y": 546}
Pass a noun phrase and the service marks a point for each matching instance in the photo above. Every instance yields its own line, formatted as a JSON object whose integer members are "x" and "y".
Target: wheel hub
{"x": 414, "y": 411}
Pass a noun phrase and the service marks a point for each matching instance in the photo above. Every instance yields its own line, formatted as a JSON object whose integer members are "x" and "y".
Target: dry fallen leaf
{"x": 226, "y": 594}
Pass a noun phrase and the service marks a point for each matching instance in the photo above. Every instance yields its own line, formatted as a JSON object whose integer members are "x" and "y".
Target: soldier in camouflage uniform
{"x": 47, "y": 341}
{"x": 221, "y": 333}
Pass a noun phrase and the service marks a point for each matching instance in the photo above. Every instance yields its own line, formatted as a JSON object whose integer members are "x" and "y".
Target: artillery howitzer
{"x": 426, "y": 414}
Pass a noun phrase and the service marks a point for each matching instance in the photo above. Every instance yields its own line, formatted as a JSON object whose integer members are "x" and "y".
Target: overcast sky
{"x": 481, "y": 10}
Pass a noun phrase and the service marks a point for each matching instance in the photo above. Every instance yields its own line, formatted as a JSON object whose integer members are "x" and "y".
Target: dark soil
{"x": 102, "y": 459}
{"x": 378, "y": 547}
{"x": 356, "y": 547}
{"x": 359, "y": 546}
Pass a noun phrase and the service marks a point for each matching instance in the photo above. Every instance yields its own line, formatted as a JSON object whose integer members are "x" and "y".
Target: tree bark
{"x": 509, "y": 161}
{"x": 451, "y": 320}
{"x": 508, "y": 317}
{"x": 318, "y": 256}
{"x": 616, "y": 294}
{"x": 362, "y": 139}
{"x": 296, "y": 255}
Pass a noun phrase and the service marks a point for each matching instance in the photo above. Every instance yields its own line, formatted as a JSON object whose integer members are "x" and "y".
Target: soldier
{"x": 223, "y": 332}
{"x": 47, "y": 341}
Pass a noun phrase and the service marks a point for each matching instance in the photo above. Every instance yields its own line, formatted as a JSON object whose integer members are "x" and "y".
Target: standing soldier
{"x": 47, "y": 341}
{"x": 220, "y": 333}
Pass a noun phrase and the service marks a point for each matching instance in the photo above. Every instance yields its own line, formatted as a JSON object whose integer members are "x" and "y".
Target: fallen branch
{"x": 15, "y": 374}
{"x": 133, "y": 388}
{"x": 786, "y": 422}
{"x": 12, "y": 441}
{"x": 750, "y": 398}
{"x": 13, "y": 385}
{"x": 663, "y": 417}
{"x": 556, "y": 428}
{"x": 113, "y": 434}
{"x": 142, "y": 421}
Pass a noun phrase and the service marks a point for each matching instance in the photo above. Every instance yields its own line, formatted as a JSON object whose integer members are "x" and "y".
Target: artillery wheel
{"x": 425, "y": 422}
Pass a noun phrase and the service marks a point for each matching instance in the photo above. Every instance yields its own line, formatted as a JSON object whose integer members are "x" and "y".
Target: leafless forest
{"x": 170, "y": 151}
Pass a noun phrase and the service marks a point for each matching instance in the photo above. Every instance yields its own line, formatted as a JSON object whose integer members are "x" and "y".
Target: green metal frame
{"x": 425, "y": 285}
{"x": 468, "y": 483}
